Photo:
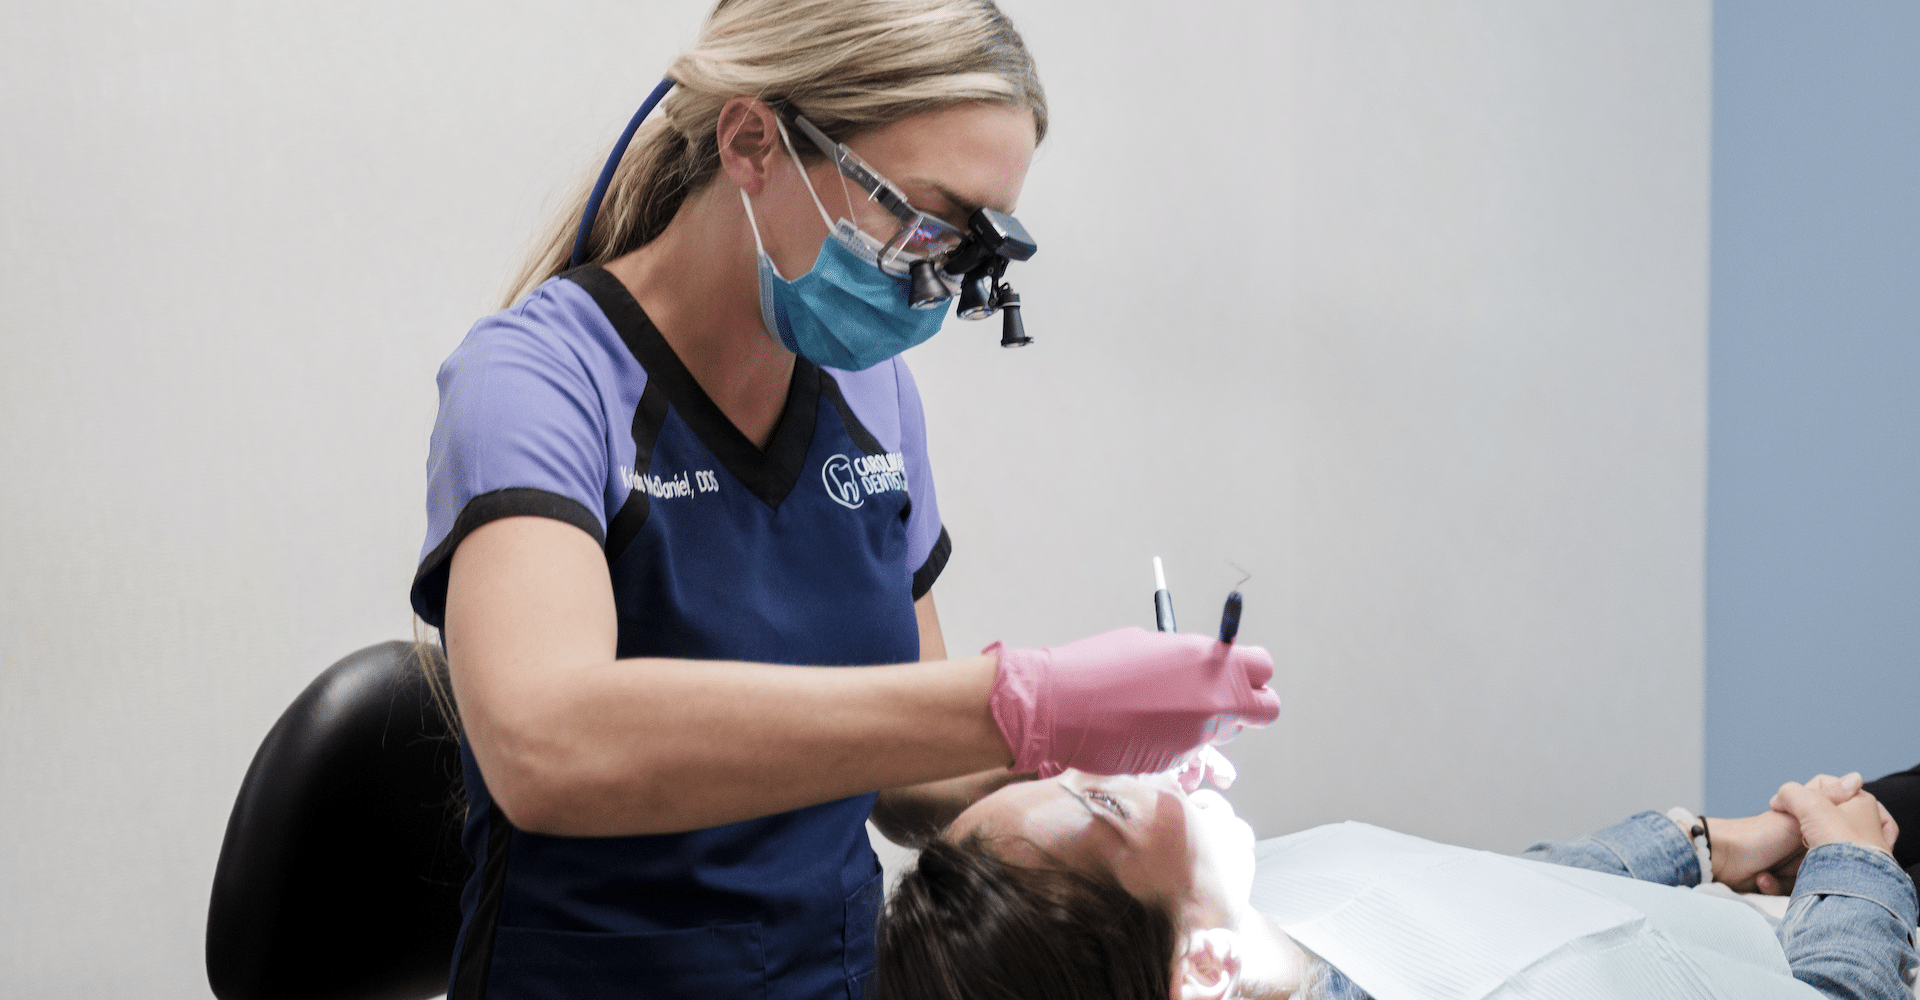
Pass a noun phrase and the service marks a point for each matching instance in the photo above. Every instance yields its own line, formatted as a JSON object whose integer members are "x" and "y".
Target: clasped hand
{"x": 1762, "y": 853}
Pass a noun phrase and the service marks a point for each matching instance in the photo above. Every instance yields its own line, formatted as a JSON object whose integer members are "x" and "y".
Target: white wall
{"x": 1400, "y": 306}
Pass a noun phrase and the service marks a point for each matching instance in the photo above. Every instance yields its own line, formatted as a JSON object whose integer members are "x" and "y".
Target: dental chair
{"x": 340, "y": 875}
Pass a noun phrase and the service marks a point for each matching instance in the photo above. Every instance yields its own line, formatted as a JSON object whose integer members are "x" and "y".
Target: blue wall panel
{"x": 1813, "y": 521}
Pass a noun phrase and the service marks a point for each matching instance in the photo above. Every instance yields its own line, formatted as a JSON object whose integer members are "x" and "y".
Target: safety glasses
{"x": 919, "y": 237}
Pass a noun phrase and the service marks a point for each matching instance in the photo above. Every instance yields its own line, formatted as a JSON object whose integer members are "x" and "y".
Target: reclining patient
{"x": 1124, "y": 887}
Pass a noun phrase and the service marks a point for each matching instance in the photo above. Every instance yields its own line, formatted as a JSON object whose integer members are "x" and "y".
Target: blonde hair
{"x": 848, "y": 65}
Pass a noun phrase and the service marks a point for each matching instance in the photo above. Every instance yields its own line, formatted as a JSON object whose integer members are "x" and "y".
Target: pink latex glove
{"x": 1128, "y": 701}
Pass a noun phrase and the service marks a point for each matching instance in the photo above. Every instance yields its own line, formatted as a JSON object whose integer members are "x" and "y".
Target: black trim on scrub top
{"x": 943, "y": 546}
{"x": 862, "y": 438}
{"x": 429, "y": 592}
{"x": 929, "y": 571}
{"x": 647, "y": 418}
{"x": 830, "y": 388}
{"x": 770, "y": 474}
{"x": 476, "y": 948}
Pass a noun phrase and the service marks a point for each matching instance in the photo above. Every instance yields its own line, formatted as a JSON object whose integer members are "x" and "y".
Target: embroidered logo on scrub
{"x": 682, "y": 485}
{"x": 850, "y": 481}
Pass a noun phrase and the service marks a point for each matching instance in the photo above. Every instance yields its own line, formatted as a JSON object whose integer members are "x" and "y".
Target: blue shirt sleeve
{"x": 1646, "y": 846}
{"x": 1848, "y": 932}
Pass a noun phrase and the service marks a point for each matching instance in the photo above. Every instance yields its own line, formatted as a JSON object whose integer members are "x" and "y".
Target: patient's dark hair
{"x": 965, "y": 925}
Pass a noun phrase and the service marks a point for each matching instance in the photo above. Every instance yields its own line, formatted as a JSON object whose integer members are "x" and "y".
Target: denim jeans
{"x": 1848, "y": 931}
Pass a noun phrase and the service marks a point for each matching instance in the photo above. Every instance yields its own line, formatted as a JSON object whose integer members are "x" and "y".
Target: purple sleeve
{"x": 522, "y": 430}
{"x": 927, "y": 543}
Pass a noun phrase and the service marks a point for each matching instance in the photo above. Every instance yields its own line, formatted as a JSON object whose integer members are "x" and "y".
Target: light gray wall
{"x": 1400, "y": 306}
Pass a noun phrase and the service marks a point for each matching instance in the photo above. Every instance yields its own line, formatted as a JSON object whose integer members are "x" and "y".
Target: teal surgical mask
{"x": 846, "y": 312}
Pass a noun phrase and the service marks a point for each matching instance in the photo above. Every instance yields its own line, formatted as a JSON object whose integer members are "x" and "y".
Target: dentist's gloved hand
{"x": 1128, "y": 701}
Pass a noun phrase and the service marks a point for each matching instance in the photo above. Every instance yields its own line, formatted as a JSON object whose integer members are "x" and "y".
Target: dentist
{"x": 671, "y": 487}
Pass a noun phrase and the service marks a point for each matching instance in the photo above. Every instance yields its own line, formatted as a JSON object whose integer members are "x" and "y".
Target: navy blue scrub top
{"x": 571, "y": 406}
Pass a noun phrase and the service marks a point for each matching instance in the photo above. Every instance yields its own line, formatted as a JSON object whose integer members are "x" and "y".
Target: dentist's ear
{"x": 748, "y": 139}
{"x": 1209, "y": 967}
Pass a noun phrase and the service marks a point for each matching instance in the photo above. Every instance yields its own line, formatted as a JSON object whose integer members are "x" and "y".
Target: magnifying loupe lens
{"x": 976, "y": 296}
{"x": 926, "y": 290}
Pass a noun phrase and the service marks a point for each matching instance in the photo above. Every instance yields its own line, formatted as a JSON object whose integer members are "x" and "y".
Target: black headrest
{"x": 341, "y": 871}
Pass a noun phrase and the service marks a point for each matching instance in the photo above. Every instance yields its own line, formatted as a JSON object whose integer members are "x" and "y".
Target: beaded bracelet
{"x": 1696, "y": 831}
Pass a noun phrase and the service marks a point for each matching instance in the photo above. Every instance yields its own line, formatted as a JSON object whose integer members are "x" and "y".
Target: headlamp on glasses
{"x": 938, "y": 260}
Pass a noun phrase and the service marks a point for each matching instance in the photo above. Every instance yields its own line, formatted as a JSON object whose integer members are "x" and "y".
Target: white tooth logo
{"x": 842, "y": 485}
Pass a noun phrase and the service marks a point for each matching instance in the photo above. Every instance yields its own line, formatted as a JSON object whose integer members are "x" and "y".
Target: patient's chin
{"x": 1226, "y": 857}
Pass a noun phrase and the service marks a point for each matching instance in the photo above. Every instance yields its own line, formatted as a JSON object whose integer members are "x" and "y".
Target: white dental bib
{"x": 1409, "y": 919}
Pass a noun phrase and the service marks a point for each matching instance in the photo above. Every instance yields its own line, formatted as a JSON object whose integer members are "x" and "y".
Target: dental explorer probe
{"x": 1162, "y": 599}
{"x": 1230, "y": 615}
{"x": 1163, "y": 606}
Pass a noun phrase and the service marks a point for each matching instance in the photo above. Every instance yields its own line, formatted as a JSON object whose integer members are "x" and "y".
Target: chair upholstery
{"x": 340, "y": 875}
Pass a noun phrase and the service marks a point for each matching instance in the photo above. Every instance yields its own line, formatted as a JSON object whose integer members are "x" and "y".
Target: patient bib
{"x": 1409, "y": 919}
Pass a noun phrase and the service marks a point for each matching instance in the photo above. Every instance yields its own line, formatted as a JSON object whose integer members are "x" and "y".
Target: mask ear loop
{"x": 804, "y": 179}
{"x": 846, "y": 195}
{"x": 753, "y": 224}
{"x": 874, "y": 243}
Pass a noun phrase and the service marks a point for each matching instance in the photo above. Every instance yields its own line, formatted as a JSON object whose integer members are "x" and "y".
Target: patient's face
{"x": 1159, "y": 842}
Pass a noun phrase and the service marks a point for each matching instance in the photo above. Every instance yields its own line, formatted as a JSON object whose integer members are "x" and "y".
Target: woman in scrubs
{"x": 671, "y": 484}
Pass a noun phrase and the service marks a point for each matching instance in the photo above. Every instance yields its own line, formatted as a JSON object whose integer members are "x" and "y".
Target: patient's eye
{"x": 1112, "y": 804}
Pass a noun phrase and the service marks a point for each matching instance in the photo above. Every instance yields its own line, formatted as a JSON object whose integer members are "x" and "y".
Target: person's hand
{"x": 1127, "y": 701}
{"x": 1844, "y": 788}
{"x": 1753, "y": 853}
{"x": 1762, "y": 853}
{"x": 1858, "y": 819}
